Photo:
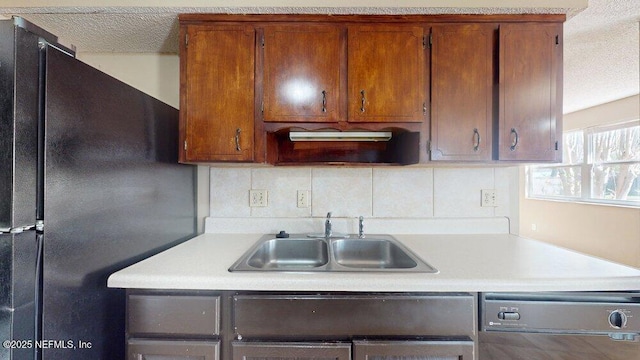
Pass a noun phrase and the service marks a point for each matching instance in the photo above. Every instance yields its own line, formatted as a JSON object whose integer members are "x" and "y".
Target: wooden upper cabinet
{"x": 302, "y": 73}
{"x": 489, "y": 87}
{"x": 386, "y": 73}
{"x": 217, "y": 93}
{"x": 530, "y": 101}
{"x": 462, "y": 74}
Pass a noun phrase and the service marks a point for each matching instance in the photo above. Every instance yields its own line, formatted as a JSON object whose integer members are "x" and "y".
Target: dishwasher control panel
{"x": 616, "y": 315}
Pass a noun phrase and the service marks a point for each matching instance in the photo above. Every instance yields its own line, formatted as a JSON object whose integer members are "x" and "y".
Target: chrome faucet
{"x": 327, "y": 226}
{"x": 361, "y": 227}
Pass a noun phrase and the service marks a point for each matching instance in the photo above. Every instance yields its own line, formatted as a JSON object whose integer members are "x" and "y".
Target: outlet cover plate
{"x": 488, "y": 198}
{"x": 303, "y": 198}
{"x": 258, "y": 198}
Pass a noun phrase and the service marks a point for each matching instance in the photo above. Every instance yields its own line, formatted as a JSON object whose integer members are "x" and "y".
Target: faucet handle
{"x": 327, "y": 226}
{"x": 361, "y": 227}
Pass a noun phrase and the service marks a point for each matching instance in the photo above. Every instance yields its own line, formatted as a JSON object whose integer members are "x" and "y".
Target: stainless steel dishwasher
{"x": 560, "y": 325}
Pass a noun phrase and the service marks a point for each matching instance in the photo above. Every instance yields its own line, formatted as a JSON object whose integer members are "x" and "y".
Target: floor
{"x": 501, "y": 346}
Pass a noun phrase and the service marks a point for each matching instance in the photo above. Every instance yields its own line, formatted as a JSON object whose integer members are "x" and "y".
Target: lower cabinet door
{"x": 413, "y": 350}
{"x": 291, "y": 350}
{"x": 139, "y": 349}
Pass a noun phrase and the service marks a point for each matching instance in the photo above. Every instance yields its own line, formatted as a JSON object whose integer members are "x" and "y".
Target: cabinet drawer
{"x": 291, "y": 351}
{"x": 172, "y": 349}
{"x": 340, "y": 316}
{"x": 393, "y": 350}
{"x": 193, "y": 315}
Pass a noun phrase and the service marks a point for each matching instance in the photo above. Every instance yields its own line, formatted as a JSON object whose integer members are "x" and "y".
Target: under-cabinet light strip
{"x": 340, "y": 135}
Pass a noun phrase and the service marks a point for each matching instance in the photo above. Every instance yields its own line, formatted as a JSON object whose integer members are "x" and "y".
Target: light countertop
{"x": 489, "y": 262}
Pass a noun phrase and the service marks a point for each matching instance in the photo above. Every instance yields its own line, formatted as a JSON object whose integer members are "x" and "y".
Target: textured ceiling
{"x": 602, "y": 54}
{"x": 601, "y": 58}
{"x": 138, "y": 29}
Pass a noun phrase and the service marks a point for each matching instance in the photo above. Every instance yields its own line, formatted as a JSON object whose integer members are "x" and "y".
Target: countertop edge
{"x": 194, "y": 265}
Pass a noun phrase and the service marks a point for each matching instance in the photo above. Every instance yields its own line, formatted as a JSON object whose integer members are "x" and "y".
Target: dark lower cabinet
{"x": 173, "y": 325}
{"x": 291, "y": 350}
{"x": 361, "y": 349}
{"x": 158, "y": 349}
{"x": 230, "y": 325}
{"x": 413, "y": 350}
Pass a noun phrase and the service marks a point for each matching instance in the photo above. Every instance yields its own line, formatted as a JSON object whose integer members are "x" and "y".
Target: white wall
{"x": 155, "y": 74}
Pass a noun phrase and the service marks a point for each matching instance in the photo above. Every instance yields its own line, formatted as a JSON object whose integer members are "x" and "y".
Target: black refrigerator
{"x": 89, "y": 184}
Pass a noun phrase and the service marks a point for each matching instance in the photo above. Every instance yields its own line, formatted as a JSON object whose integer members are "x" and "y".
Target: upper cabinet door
{"x": 530, "y": 110}
{"x": 302, "y": 73}
{"x": 462, "y": 73}
{"x": 217, "y": 97}
{"x": 386, "y": 73}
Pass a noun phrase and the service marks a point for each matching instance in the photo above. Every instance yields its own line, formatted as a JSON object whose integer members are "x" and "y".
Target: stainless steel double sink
{"x": 301, "y": 253}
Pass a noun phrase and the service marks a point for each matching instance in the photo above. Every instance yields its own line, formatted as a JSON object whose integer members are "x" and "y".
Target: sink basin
{"x": 300, "y": 253}
{"x": 289, "y": 253}
{"x": 371, "y": 254}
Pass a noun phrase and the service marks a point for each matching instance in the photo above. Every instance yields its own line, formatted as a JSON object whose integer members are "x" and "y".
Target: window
{"x": 601, "y": 165}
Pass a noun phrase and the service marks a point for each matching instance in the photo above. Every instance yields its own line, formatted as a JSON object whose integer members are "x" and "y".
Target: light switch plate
{"x": 258, "y": 198}
{"x": 488, "y": 198}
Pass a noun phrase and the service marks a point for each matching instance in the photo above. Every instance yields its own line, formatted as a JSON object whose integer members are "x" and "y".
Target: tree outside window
{"x": 601, "y": 164}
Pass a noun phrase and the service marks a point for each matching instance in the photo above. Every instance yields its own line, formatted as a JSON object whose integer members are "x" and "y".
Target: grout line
{"x": 495, "y": 188}
{"x": 433, "y": 193}
{"x": 251, "y": 187}
{"x": 312, "y": 192}
{"x": 371, "y": 192}
{"x": 310, "y": 187}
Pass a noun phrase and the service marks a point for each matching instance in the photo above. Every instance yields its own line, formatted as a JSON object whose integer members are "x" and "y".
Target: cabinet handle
{"x": 238, "y": 140}
{"x": 324, "y": 101}
{"x": 363, "y": 99}
{"x": 476, "y": 135}
{"x": 514, "y": 142}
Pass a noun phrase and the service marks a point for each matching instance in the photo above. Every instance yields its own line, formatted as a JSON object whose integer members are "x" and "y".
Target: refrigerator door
{"x": 114, "y": 194}
{"x": 17, "y": 290}
{"x": 18, "y": 126}
{"x": 19, "y": 80}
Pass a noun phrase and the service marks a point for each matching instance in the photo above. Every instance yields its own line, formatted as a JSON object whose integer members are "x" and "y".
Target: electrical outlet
{"x": 488, "y": 198}
{"x": 303, "y": 198}
{"x": 258, "y": 198}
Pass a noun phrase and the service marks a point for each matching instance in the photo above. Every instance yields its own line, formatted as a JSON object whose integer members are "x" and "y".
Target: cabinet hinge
{"x": 262, "y": 41}
{"x": 428, "y": 146}
{"x": 424, "y": 108}
{"x": 185, "y": 145}
{"x": 262, "y": 107}
{"x": 430, "y": 41}
{"x": 186, "y": 40}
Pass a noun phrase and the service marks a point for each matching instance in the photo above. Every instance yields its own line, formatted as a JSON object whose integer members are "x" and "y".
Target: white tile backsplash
{"x": 405, "y": 193}
{"x": 505, "y": 186}
{"x": 416, "y": 195}
{"x": 457, "y": 192}
{"x": 282, "y": 185}
{"x": 229, "y": 192}
{"x": 343, "y": 191}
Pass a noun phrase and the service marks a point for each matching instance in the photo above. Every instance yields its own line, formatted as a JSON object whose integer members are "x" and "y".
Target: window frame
{"x": 586, "y": 166}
